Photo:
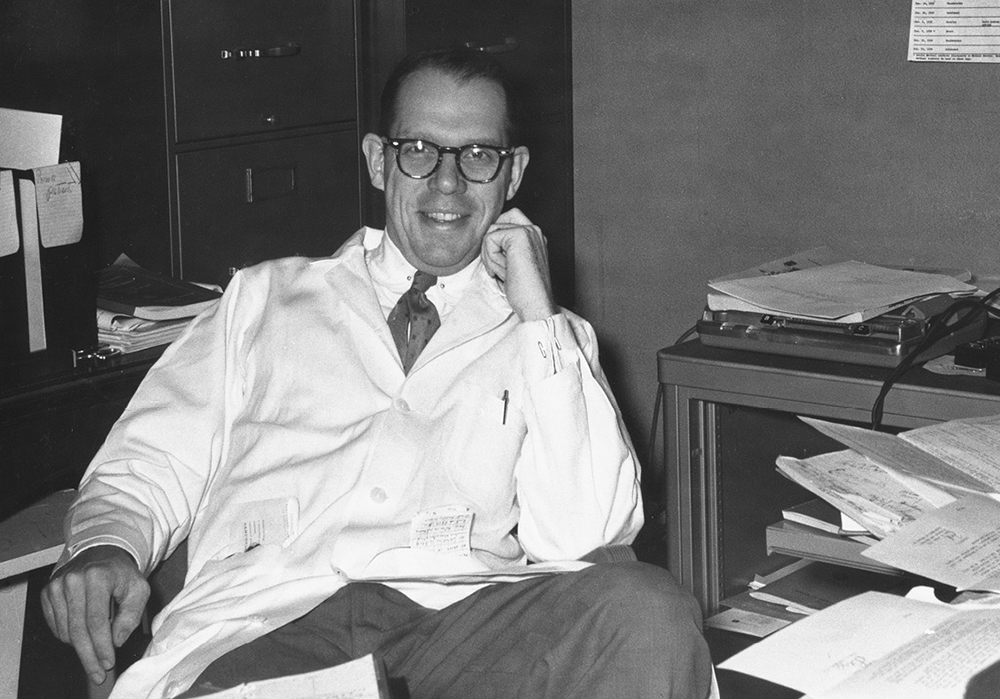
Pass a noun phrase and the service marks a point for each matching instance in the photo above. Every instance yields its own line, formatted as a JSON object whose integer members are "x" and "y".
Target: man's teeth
{"x": 441, "y": 217}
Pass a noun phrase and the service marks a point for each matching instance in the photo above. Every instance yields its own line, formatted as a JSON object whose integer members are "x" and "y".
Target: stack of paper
{"x": 138, "y": 309}
{"x": 130, "y": 334}
{"x": 820, "y": 285}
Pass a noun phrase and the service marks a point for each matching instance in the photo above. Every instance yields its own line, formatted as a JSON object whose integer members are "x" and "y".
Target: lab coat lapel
{"x": 352, "y": 286}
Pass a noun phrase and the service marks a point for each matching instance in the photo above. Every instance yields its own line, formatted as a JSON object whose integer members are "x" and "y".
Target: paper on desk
{"x": 958, "y": 544}
{"x": 904, "y": 459}
{"x": 858, "y": 487}
{"x": 843, "y": 290}
{"x": 806, "y": 259}
{"x": 971, "y": 444}
{"x": 822, "y": 650}
{"x": 877, "y": 645}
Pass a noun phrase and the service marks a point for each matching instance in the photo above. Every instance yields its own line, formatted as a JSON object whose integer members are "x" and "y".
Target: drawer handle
{"x": 274, "y": 52}
{"x": 269, "y": 183}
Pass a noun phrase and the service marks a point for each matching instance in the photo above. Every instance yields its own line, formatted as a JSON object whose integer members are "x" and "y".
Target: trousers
{"x": 614, "y": 630}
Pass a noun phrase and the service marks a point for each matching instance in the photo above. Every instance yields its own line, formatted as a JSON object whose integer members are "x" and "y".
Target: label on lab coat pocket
{"x": 264, "y": 522}
{"x": 446, "y": 529}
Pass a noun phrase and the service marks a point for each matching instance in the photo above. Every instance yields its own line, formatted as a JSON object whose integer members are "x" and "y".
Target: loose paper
{"x": 958, "y": 544}
{"x": 955, "y": 30}
{"x": 59, "y": 200}
{"x": 10, "y": 239}
{"x": 28, "y": 139}
{"x": 821, "y": 651}
{"x": 356, "y": 679}
{"x": 901, "y": 456}
{"x": 37, "y": 340}
{"x": 839, "y": 291}
{"x": 969, "y": 444}
{"x": 858, "y": 486}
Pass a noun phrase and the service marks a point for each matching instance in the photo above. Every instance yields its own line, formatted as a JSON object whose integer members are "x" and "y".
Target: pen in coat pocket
{"x": 506, "y": 400}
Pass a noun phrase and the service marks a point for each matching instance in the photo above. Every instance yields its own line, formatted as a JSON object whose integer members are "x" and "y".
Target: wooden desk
{"x": 53, "y": 419}
{"x": 728, "y": 414}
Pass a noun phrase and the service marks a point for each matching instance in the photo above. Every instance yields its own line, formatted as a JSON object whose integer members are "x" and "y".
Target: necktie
{"x": 414, "y": 319}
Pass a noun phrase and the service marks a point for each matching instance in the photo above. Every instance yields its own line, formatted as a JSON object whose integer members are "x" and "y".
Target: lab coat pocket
{"x": 485, "y": 434}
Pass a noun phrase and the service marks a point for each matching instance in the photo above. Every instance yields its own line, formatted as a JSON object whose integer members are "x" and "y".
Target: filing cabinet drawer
{"x": 243, "y": 204}
{"x": 251, "y": 66}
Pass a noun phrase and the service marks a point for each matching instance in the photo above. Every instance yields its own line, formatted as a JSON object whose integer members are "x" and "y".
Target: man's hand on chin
{"x": 514, "y": 251}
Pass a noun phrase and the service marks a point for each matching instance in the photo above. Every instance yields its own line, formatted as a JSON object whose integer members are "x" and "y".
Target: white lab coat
{"x": 286, "y": 409}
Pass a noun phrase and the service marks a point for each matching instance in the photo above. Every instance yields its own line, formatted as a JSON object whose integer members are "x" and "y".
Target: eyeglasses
{"x": 420, "y": 159}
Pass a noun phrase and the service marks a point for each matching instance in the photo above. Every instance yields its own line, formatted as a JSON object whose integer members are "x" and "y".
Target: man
{"x": 305, "y": 436}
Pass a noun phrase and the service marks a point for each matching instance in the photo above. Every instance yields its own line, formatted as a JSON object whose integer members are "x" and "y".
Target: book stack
{"x": 138, "y": 309}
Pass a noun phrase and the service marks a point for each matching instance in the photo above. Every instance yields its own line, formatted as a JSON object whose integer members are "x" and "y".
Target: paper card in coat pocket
{"x": 445, "y": 529}
{"x": 264, "y": 522}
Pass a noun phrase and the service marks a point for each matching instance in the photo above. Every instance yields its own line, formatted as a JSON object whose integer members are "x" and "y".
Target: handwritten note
{"x": 59, "y": 200}
{"x": 857, "y": 486}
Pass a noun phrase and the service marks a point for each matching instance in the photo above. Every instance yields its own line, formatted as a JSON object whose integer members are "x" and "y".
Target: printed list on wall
{"x": 955, "y": 30}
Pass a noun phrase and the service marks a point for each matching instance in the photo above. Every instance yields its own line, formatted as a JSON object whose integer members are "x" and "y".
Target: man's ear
{"x": 519, "y": 161}
{"x": 374, "y": 151}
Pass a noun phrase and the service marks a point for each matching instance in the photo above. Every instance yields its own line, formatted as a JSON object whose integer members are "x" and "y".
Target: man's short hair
{"x": 462, "y": 63}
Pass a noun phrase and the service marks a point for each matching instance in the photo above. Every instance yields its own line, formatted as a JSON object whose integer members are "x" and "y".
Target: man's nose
{"x": 447, "y": 179}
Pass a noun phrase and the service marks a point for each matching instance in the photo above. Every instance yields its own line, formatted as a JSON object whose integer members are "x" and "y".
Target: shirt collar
{"x": 390, "y": 269}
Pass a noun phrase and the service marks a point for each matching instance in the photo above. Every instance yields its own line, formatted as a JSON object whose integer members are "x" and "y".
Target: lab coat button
{"x": 402, "y": 406}
{"x": 378, "y": 495}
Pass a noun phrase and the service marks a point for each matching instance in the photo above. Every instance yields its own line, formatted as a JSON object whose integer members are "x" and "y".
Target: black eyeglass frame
{"x": 501, "y": 151}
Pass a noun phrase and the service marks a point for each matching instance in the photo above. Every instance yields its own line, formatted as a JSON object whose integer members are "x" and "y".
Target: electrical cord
{"x": 938, "y": 330}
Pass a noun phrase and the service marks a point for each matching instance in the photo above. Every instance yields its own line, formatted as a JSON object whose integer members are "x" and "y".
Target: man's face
{"x": 439, "y": 222}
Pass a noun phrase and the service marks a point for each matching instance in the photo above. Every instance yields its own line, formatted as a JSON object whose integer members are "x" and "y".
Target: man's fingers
{"x": 494, "y": 258}
{"x": 99, "y": 627}
{"x": 54, "y": 610}
{"x": 80, "y": 633}
{"x": 514, "y": 217}
{"x": 130, "y": 608}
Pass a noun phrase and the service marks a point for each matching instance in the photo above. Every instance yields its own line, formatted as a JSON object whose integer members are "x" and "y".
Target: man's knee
{"x": 638, "y": 611}
{"x": 640, "y": 594}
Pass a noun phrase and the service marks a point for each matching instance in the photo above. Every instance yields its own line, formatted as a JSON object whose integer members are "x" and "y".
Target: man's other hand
{"x": 83, "y": 596}
{"x": 514, "y": 251}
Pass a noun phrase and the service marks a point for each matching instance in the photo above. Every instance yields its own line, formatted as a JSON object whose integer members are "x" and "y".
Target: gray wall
{"x": 713, "y": 135}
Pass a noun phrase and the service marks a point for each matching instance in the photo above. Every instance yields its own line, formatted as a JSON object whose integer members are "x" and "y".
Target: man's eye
{"x": 477, "y": 154}
{"x": 414, "y": 149}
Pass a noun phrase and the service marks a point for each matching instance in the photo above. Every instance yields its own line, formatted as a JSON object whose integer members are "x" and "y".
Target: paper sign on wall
{"x": 60, "y": 204}
{"x": 28, "y": 139}
{"x": 10, "y": 239}
{"x": 965, "y": 31}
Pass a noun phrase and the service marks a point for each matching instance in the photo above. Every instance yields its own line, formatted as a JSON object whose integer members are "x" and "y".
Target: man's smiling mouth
{"x": 442, "y": 216}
